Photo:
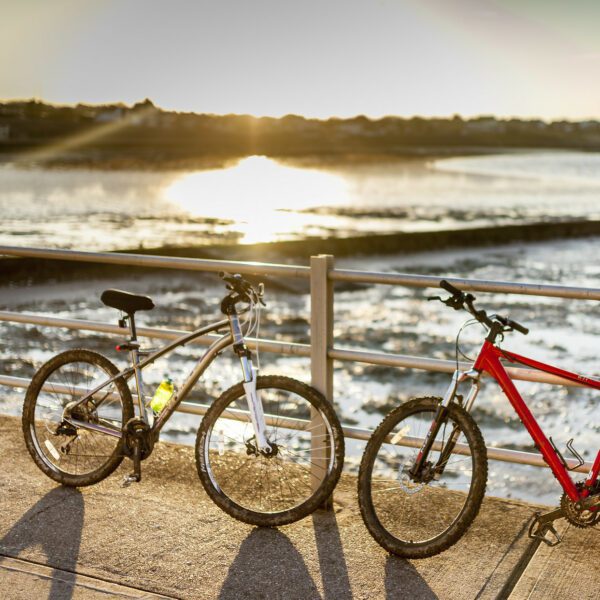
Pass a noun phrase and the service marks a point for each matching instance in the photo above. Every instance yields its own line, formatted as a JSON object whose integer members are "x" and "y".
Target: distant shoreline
{"x": 115, "y": 136}
{"x": 110, "y": 162}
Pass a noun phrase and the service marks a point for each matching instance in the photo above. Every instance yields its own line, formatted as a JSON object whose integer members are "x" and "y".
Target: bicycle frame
{"x": 232, "y": 338}
{"x": 488, "y": 360}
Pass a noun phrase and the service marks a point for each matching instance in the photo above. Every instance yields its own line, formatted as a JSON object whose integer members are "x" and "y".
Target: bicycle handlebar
{"x": 236, "y": 282}
{"x": 465, "y": 301}
{"x": 446, "y": 285}
{"x": 512, "y": 324}
{"x": 242, "y": 290}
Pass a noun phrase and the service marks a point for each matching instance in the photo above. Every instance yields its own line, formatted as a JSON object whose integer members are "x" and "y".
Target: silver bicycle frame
{"x": 234, "y": 335}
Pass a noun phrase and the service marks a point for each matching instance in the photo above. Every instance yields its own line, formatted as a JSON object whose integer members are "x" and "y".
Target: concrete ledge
{"x": 165, "y": 537}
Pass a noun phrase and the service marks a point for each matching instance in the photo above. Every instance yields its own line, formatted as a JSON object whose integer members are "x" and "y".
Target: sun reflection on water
{"x": 260, "y": 195}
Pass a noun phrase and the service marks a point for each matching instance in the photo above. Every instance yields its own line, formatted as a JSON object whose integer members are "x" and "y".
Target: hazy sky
{"x": 316, "y": 58}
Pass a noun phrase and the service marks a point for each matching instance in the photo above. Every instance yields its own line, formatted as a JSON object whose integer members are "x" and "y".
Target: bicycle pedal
{"x": 129, "y": 479}
{"x": 544, "y": 527}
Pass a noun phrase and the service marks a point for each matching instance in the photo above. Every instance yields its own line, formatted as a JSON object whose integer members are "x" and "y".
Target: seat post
{"x": 132, "y": 330}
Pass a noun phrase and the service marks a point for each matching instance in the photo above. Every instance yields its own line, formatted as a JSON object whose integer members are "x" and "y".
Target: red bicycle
{"x": 423, "y": 474}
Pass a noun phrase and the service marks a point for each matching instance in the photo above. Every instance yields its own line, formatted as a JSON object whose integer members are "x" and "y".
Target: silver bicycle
{"x": 269, "y": 450}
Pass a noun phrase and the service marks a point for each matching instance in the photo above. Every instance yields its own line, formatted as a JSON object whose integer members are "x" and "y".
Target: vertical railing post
{"x": 321, "y": 366}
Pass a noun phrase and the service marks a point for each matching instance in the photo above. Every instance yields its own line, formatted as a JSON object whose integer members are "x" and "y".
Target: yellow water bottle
{"x": 162, "y": 395}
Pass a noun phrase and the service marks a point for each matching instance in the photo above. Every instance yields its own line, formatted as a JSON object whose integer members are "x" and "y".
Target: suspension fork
{"x": 250, "y": 373}
{"x": 440, "y": 419}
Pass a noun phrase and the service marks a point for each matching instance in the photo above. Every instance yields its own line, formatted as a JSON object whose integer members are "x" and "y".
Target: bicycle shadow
{"x": 403, "y": 581}
{"x": 55, "y": 524}
{"x": 268, "y": 565}
{"x": 334, "y": 570}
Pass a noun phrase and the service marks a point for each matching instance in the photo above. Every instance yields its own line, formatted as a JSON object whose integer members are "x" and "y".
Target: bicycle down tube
{"x": 214, "y": 349}
{"x": 489, "y": 360}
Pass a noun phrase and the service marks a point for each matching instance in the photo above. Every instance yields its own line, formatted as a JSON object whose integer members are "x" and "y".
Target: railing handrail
{"x": 476, "y": 285}
{"x": 161, "y": 262}
{"x": 297, "y": 271}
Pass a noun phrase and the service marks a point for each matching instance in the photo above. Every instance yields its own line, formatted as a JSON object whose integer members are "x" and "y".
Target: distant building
{"x": 109, "y": 116}
{"x": 4, "y": 133}
{"x": 485, "y": 125}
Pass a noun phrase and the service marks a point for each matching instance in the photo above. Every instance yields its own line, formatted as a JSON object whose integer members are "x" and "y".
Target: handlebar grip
{"x": 519, "y": 327}
{"x": 450, "y": 288}
{"x": 512, "y": 324}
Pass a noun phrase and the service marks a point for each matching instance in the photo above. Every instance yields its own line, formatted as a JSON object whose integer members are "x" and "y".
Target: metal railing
{"x": 322, "y": 351}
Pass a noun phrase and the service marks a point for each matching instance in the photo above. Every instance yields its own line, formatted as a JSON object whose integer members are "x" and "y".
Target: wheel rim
{"x": 277, "y": 483}
{"x": 417, "y": 512}
{"x": 67, "y": 449}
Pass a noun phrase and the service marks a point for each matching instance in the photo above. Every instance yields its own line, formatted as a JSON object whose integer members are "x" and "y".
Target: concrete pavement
{"x": 164, "y": 537}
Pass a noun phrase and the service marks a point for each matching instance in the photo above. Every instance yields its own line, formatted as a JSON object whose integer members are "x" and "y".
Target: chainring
{"x": 138, "y": 431}
{"x": 577, "y": 517}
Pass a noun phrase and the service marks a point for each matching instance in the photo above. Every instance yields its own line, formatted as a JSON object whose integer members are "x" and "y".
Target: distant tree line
{"x": 145, "y": 131}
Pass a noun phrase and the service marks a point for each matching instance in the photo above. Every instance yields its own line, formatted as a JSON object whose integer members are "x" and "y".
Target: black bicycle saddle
{"x": 126, "y": 301}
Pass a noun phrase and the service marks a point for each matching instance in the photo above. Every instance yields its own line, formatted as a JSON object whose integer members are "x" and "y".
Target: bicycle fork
{"x": 440, "y": 419}
{"x": 250, "y": 374}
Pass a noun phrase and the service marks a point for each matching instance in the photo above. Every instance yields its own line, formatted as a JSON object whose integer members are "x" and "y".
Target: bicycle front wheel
{"x": 420, "y": 517}
{"x": 291, "y": 481}
{"x": 67, "y": 453}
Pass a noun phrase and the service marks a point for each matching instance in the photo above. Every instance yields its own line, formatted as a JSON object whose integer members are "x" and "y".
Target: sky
{"x": 323, "y": 58}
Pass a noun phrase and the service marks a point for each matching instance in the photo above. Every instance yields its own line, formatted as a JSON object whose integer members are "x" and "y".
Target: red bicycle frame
{"x": 488, "y": 360}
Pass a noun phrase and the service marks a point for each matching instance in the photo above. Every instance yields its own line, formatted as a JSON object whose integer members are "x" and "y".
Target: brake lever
{"x": 454, "y": 302}
{"x": 430, "y": 298}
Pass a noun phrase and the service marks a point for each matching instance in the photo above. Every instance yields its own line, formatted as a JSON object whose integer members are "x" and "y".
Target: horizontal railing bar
{"x": 287, "y": 348}
{"x": 348, "y": 275}
{"x": 185, "y": 407}
{"x": 441, "y": 366}
{"x": 500, "y": 454}
{"x": 477, "y": 285}
{"x": 162, "y": 262}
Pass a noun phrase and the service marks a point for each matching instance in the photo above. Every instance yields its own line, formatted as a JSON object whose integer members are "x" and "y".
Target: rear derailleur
{"x": 138, "y": 444}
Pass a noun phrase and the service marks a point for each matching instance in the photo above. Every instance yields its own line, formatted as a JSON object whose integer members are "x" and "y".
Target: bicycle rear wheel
{"x": 291, "y": 482}
{"x": 73, "y": 455}
{"x": 420, "y": 517}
